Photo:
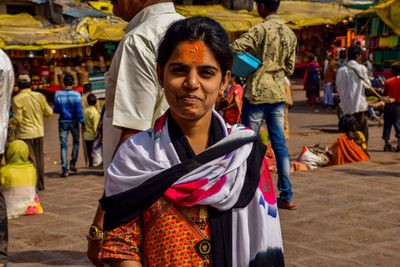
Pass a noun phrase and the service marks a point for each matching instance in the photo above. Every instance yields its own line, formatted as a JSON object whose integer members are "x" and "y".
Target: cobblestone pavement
{"x": 347, "y": 215}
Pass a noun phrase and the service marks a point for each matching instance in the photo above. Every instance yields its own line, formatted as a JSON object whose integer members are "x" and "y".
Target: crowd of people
{"x": 22, "y": 177}
{"x": 186, "y": 177}
{"x": 353, "y": 81}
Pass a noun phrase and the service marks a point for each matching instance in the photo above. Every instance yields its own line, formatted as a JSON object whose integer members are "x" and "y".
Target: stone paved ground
{"x": 347, "y": 215}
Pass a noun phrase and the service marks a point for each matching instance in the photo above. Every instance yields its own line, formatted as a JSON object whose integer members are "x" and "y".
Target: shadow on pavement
{"x": 53, "y": 175}
{"x": 57, "y": 175}
{"x": 64, "y": 257}
{"x": 370, "y": 173}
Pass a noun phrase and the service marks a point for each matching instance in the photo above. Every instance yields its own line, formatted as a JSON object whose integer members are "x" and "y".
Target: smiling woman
{"x": 189, "y": 191}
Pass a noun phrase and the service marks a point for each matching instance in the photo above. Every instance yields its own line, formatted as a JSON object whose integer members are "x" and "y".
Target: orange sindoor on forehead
{"x": 193, "y": 52}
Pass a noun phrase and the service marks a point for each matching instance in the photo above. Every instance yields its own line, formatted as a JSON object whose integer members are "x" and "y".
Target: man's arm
{"x": 291, "y": 59}
{"x": 248, "y": 40}
{"x": 126, "y": 133}
{"x": 47, "y": 111}
{"x": 17, "y": 113}
{"x": 137, "y": 92}
{"x": 56, "y": 106}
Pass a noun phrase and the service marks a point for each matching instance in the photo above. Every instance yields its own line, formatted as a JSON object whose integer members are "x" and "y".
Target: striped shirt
{"x": 67, "y": 103}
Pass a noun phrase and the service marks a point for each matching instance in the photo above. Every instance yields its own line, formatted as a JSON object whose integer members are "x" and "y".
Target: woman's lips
{"x": 190, "y": 98}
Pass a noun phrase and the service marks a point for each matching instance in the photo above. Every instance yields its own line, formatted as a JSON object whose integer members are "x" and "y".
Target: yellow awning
{"x": 101, "y": 29}
{"x": 22, "y": 31}
{"x": 231, "y": 20}
{"x": 297, "y": 14}
{"x": 19, "y": 20}
{"x": 30, "y": 34}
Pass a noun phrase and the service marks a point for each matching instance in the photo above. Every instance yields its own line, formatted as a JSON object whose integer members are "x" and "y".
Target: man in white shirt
{"x": 351, "y": 83}
{"x": 6, "y": 89}
{"x": 134, "y": 98}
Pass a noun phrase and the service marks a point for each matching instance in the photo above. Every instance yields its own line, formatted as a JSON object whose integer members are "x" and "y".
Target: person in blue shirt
{"x": 67, "y": 103}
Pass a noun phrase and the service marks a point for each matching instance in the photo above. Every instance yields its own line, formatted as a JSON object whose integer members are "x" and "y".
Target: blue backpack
{"x": 379, "y": 81}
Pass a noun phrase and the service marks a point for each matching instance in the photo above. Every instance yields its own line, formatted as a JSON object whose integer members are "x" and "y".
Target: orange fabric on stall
{"x": 345, "y": 150}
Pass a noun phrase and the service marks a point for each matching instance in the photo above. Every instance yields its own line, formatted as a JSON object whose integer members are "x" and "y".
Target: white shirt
{"x": 6, "y": 89}
{"x": 326, "y": 62}
{"x": 368, "y": 64}
{"x": 134, "y": 98}
{"x": 351, "y": 88}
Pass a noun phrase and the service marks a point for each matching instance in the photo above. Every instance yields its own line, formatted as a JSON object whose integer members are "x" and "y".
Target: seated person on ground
{"x": 350, "y": 146}
{"x": 18, "y": 181}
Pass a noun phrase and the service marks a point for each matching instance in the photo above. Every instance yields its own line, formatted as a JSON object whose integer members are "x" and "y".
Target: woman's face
{"x": 192, "y": 79}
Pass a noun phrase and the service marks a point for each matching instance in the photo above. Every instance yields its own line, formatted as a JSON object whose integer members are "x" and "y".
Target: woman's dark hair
{"x": 87, "y": 88}
{"x": 354, "y": 51}
{"x": 68, "y": 80}
{"x": 348, "y": 124}
{"x": 91, "y": 99}
{"x": 311, "y": 57}
{"x": 271, "y": 5}
{"x": 197, "y": 29}
{"x": 237, "y": 80}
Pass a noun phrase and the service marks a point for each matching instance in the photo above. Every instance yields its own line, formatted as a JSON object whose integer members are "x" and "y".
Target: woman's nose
{"x": 192, "y": 80}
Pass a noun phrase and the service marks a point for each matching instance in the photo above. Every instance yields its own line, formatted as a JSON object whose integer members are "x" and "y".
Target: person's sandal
{"x": 285, "y": 205}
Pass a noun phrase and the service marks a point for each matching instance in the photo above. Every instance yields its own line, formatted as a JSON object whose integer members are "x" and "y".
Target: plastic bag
{"x": 313, "y": 158}
{"x": 97, "y": 155}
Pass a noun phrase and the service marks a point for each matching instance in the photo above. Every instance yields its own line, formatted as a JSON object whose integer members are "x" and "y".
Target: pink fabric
{"x": 159, "y": 123}
{"x": 189, "y": 194}
{"x": 266, "y": 184}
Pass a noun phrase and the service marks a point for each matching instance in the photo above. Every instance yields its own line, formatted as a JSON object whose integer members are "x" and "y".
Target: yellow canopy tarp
{"x": 231, "y": 20}
{"x": 22, "y": 31}
{"x": 388, "y": 12}
{"x": 101, "y": 29}
{"x": 30, "y": 34}
{"x": 19, "y": 20}
{"x": 297, "y": 14}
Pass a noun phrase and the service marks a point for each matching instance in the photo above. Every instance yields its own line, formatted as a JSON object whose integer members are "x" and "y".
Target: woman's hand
{"x": 124, "y": 263}
{"x": 94, "y": 247}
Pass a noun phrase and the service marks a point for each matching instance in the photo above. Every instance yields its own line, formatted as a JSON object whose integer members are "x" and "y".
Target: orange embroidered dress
{"x": 165, "y": 235}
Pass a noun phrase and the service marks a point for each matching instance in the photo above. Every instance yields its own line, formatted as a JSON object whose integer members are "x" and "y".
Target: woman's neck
{"x": 197, "y": 132}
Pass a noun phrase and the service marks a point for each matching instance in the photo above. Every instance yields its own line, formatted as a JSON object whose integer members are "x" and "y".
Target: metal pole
{"x": 51, "y": 10}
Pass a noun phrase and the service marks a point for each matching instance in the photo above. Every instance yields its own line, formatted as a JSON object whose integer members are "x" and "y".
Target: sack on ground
{"x": 313, "y": 157}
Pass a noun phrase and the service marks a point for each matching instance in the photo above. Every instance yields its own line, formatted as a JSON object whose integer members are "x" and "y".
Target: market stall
{"x": 85, "y": 47}
{"x": 381, "y": 26}
{"x": 47, "y": 52}
{"x": 316, "y": 24}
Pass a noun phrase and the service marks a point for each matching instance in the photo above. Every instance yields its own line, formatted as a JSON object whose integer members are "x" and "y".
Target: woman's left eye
{"x": 207, "y": 73}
